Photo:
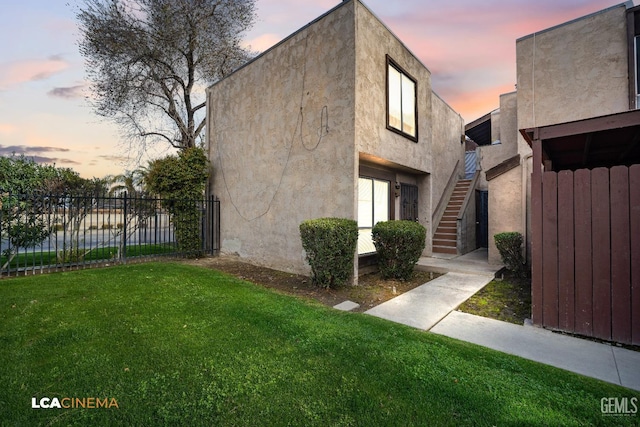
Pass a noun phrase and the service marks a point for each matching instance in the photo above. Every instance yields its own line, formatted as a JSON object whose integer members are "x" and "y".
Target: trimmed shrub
{"x": 509, "y": 245}
{"x": 399, "y": 245}
{"x": 330, "y": 244}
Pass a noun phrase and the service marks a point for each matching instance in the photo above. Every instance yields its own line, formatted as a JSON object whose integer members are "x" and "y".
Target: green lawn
{"x": 181, "y": 345}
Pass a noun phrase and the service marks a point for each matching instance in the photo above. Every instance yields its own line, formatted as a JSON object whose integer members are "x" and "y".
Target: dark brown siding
{"x": 620, "y": 253}
{"x": 583, "y": 254}
{"x": 536, "y": 238}
{"x": 550, "y": 248}
{"x": 566, "y": 255}
{"x": 601, "y": 229}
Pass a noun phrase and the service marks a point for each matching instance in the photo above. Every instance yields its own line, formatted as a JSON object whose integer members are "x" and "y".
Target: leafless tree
{"x": 149, "y": 62}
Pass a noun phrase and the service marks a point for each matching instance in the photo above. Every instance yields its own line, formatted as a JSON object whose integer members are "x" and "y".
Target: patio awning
{"x": 604, "y": 141}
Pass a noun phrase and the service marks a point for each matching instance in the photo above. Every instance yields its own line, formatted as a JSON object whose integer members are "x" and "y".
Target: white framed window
{"x": 402, "y": 113}
{"x": 373, "y": 207}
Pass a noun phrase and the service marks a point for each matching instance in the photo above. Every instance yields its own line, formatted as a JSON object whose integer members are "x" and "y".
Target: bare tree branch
{"x": 147, "y": 59}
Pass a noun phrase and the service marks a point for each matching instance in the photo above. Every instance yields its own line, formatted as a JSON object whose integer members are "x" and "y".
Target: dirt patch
{"x": 371, "y": 290}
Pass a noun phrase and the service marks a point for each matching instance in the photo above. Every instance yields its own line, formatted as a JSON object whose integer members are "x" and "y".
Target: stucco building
{"x": 336, "y": 120}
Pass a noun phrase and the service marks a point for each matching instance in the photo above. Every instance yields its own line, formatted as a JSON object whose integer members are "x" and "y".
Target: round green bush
{"x": 330, "y": 244}
{"x": 509, "y": 245}
{"x": 399, "y": 245}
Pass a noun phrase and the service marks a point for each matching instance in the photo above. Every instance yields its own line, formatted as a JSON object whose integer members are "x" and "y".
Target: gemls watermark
{"x": 74, "y": 402}
{"x": 619, "y": 406}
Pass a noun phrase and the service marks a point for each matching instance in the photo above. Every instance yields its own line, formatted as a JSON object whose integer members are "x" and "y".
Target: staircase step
{"x": 446, "y": 230}
{"x": 445, "y": 250}
{"x": 444, "y": 235}
{"x": 444, "y": 243}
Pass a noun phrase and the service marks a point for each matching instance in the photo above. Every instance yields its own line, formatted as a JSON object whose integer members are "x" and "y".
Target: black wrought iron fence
{"x": 48, "y": 232}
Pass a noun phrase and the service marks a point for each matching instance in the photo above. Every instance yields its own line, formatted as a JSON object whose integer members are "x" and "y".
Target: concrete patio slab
{"x": 426, "y": 305}
{"x": 596, "y": 360}
{"x": 473, "y": 263}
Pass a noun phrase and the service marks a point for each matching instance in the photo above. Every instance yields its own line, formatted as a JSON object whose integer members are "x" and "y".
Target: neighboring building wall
{"x": 570, "y": 72}
{"x": 505, "y": 208}
{"x": 281, "y": 134}
{"x": 507, "y": 211}
{"x": 574, "y": 71}
{"x": 504, "y": 128}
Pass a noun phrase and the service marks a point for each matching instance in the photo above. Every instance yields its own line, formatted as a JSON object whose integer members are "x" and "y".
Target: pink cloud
{"x": 18, "y": 72}
{"x": 7, "y": 129}
{"x": 70, "y": 92}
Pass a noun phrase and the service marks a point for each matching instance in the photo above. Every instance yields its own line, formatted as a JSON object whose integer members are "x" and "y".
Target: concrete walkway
{"x": 423, "y": 307}
{"x": 602, "y": 361}
{"x": 432, "y": 306}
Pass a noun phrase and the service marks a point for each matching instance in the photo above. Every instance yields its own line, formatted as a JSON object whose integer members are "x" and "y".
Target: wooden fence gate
{"x": 586, "y": 252}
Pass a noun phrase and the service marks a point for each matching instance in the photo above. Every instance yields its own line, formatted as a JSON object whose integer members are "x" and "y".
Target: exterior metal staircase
{"x": 445, "y": 240}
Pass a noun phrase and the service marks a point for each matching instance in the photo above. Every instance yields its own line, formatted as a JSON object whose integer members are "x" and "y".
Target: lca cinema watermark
{"x": 619, "y": 406}
{"x": 74, "y": 403}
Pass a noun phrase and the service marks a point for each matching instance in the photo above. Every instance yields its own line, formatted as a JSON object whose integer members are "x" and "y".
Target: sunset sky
{"x": 468, "y": 45}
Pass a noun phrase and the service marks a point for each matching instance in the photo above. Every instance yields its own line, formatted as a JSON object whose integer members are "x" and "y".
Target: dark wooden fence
{"x": 586, "y": 252}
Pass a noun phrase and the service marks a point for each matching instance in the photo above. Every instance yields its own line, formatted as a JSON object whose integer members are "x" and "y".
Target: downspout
{"x": 525, "y": 168}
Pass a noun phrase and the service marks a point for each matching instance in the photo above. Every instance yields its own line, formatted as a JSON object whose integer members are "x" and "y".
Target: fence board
{"x": 620, "y": 256}
{"x": 566, "y": 276}
{"x": 583, "y": 254}
{"x": 536, "y": 235}
{"x": 634, "y": 227}
{"x": 550, "y": 249}
{"x": 601, "y": 227}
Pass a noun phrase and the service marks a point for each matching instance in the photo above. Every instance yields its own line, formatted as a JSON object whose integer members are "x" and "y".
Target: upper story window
{"x": 402, "y": 113}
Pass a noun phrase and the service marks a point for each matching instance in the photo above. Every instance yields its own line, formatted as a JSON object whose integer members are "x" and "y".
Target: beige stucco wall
{"x": 507, "y": 211}
{"x": 280, "y": 133}
{"x": 504, "y": 122}
{"x": 505, "y": 208}
{"x": 574, "y": 71}
{"x": 374, "y": 42}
